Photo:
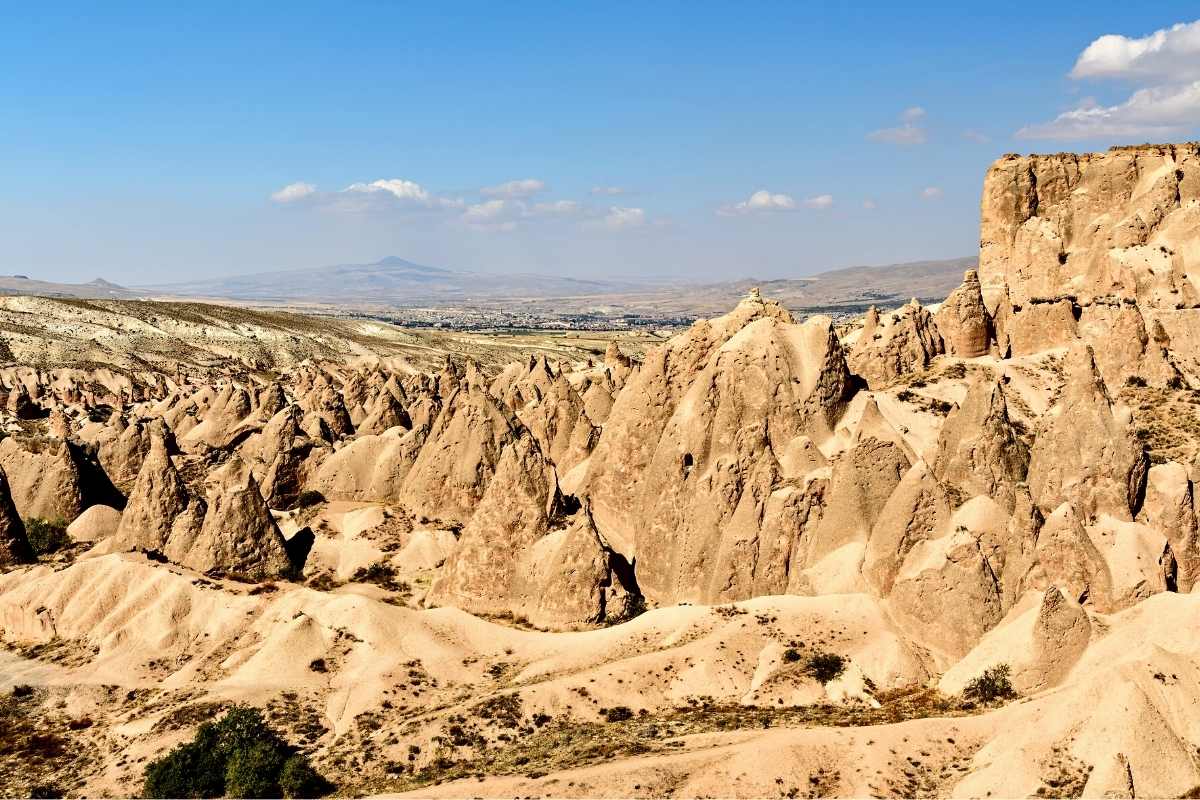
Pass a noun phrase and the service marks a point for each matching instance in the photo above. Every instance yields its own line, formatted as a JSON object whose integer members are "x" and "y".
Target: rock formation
{"x": 14, "y": 545}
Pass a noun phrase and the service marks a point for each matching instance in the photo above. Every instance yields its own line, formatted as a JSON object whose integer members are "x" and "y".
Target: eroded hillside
{"x": 767, "y": 557}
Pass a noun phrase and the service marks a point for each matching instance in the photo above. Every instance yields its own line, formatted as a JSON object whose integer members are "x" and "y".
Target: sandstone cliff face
{"x": 894, "y": 344}
{"x": 1115, "y": 224}
{"x": 1084, "y": 451}
{"x": 689, "y": 456}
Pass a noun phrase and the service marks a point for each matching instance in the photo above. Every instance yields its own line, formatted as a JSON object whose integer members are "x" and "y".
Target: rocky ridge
{"x": 980, "y": 473}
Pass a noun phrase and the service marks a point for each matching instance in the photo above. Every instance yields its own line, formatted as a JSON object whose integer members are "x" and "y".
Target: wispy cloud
{"x": 975, "y": 136}
{"x": 868, "y": 204}
{"x": 607, "y": 191}
{"x": 1159, "y": 111}
{"x": 760, "y": 201}
{"x": 1167, "y": 103}
{"x": 501, "y": 208}
{"x": 619, "y": 217}
{"x": 931, "y": 192}
{"x": 820, "y": 201}
{"x": 293, "y": 192}
{"x": 526, "y": 187}
{"x": 908, "y": 132}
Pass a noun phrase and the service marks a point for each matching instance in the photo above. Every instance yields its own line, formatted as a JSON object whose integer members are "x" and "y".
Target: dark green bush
{"x": 46, "y": 535}
{"x": 993, "y": 684}
{"x": 237, "y": 756}
{"x": 617, "y": 714}
{"x": 825, "y": 667}
{"x": 791, "y": 655}
{"x": 299, "y": 779}
{"x": 254, "y": 771}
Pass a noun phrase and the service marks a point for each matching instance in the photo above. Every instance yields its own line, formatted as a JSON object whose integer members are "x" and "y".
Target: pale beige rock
{"x": 450, "y": 474}
{"x": 238, "y": 535}
{"x": 95, "y": 524}
{"x": 963, "y": 320}
{"x": 44, "y": 478}
{"x": 1083, "y": 451}
{"x": 978, "y": 449}
{"x": 907, "y": 340}
{"x": 14, "y": 544}
{"x": 159, "y": 504}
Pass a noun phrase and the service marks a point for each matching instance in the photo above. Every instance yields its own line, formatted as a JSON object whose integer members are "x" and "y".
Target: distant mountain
{"x": 841, "y": 291}
{"x": 96, "y": 289}
{"x": 391, "y": 280}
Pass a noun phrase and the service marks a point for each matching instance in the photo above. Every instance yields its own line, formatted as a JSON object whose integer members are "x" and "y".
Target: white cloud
{"x": 526, "y": 187}
{"x": 293, "y": 192}
{"x": 619, "y": 217}
{"x": 397, "y": 187}
{"x": 1166, "y": 104}
{"x": 760, "y": 201}
{"x": 931, "y": 192}
{"x": 908, "y": 132}
{"x": 1159, "y": 111}
{"x": 976, "y": 136}
{"x": 820, "y": 201}
{"x": 1172, "y": 54}
{"x": 607, "y": 190}
{"x": 868, "y": 204}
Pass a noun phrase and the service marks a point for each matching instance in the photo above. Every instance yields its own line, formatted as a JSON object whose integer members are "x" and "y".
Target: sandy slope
{"x": 178, "y": 641}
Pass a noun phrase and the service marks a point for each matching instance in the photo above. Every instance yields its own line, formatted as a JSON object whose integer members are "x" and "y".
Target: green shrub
{"x": 299, "y": 779}
{"x": 825, "y": 667}
{"x": 791, "y": 655}
{"x": 254, "y": 771}
{"x": 993, "y": 684}
{"x": 238, "y": 756}
{"x": 46, "y": 535}
{"x": 617, "y": 714}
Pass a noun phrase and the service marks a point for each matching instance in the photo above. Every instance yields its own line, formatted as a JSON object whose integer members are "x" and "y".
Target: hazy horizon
{"x": 156, "y": 145}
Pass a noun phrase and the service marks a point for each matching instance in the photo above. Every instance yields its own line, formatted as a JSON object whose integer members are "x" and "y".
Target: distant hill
{"x": 390, "y": 280}
{"x": 92, "y": 290}
{"x": 841, "y": 291}
{"x": 397, "y": 282}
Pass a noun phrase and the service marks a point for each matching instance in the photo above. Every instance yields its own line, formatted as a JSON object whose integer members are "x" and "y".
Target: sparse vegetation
{"x": 237, "y": 756}
{"x": 617, "y": 713}
{"x": 46, "y": 535}
{"x": 563, "y": 743}
{"x": 825, "y": 667}
{"x": 992, "y": 685}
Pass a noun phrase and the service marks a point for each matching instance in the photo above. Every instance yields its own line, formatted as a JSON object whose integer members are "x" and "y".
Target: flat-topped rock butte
{"x": 612, "y": 575}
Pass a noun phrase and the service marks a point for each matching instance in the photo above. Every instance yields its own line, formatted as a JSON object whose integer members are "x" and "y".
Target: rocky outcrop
{"x": 978, "y": 449}
{"x": 450, "y": 474}
{"x": 14, "y": 544}
{"x": 238, "y": 535}
{"x": 45, "y": 478}
{"x": 1084, "y": 451}
{"x": 508, "y": 560}
{"x": 692, "y": 445}
{"x": 963, "y": 320}
{"x": 160, "y": 506}
{"x": 1114, "y": 224}
{"x": 896, "y": 344}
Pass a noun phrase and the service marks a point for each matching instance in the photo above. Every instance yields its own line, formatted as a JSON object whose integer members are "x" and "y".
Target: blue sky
{"x": 146, "y": 142}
